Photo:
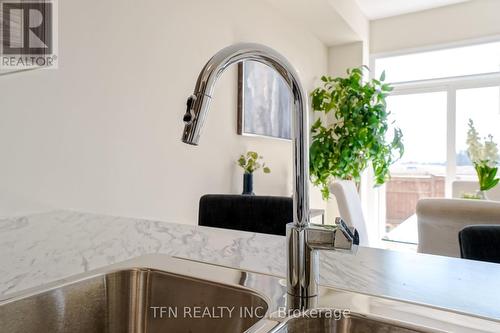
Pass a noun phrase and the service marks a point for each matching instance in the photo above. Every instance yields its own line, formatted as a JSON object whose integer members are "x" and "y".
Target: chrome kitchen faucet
{"x": 303, "y": 239}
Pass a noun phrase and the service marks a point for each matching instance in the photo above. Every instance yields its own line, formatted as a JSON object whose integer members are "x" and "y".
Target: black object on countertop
{"x": 263, "y": 214}
{"x": 480, "y": 242}
{"x": 248, "y": 184}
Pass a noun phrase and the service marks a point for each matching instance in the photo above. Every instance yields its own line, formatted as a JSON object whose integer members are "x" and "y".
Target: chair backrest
{"x": 459, "y": 187}
{"x": 264, "y": 214}
{"x": 350, "y": 209}
{"x": 480, "y": 242}
{"x": 440, "y": 220}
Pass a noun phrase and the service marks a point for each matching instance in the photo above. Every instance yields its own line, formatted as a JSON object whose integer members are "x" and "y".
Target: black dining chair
{"x": 263, "y": 214}
{"x": 480, "y": 242}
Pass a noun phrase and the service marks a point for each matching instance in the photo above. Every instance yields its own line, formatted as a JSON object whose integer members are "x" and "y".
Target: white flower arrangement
{"x": 479, "y": 152}
{"x": 484, "y": 156}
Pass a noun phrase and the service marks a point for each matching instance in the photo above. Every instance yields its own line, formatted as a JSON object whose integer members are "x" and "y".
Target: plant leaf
{"x": 344, "y": 147}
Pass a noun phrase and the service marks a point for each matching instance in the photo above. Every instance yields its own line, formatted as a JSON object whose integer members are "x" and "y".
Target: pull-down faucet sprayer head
{"x": 196, "y": 109}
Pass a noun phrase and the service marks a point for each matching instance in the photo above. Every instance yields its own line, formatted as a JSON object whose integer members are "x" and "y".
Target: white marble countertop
{"x": 43, "y": 248}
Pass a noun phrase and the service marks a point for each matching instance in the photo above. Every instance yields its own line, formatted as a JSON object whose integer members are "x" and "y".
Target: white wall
{"x": 102, "y": 132}
{"x": 466, "y": 21}
{"x": 353, "y": 15}
{"x": 343, "y": 57}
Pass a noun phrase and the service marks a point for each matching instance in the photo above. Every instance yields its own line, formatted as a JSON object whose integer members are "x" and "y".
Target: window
{"x": 468, "y": 60}
{"x": 433, "y": 115}
{"x": 421, "y": 171}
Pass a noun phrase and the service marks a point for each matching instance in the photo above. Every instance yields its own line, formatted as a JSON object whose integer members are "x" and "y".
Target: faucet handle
{"x": 329, "y": 237}
{"x": 351, "y": 235}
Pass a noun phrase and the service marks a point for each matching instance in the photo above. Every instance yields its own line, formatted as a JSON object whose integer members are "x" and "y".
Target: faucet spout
{"x": 303, "y": 239}
{"x": 198, "y": 106}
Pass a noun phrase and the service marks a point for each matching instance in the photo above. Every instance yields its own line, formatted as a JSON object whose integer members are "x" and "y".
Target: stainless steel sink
{"x": 327, "y": 322}
{"x": 123, "y": 298}
{"x": 132, "y": 300}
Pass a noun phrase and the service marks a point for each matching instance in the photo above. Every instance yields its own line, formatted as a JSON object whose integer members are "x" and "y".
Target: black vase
{"x": 248, "y": 184}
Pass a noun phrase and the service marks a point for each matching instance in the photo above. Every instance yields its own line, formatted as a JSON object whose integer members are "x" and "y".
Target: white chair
{"x": 440, "y": 220}
{"x": 350, "y": 210}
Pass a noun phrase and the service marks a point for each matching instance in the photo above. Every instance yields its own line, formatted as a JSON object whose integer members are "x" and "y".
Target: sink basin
{"x": 149, "y": 294}
{"x": 133, "y": 300}
{"x": 351, "y": 323}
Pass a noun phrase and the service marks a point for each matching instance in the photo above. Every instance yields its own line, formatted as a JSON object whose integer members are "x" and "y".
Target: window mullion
{"x": 451, "y": 125}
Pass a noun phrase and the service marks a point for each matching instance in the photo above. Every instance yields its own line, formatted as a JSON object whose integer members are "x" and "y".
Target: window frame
{"x": 437, "y": 47}
{"x": 449, "y": 85}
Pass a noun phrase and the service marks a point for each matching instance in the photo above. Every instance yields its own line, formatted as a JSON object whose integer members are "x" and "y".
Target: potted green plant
{"x": 352, "y": 132}
{"x": 250, "y": 162}
{"x": 484, "y": 157}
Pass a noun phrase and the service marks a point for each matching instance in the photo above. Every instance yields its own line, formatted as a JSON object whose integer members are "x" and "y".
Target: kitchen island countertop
{"x": 42, "y": 248}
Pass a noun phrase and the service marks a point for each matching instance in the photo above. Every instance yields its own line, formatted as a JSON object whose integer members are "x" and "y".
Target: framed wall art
{"x": 264, "y": 102}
